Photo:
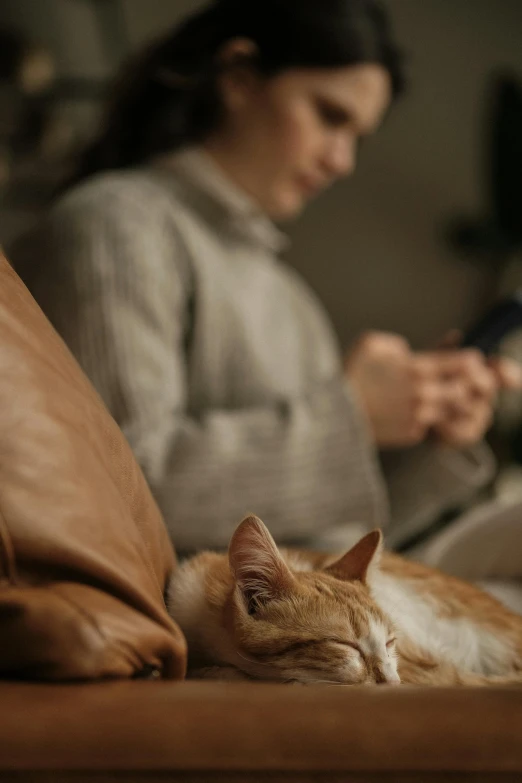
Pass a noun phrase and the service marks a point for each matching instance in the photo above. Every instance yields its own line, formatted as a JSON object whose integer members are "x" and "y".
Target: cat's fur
{"x": 367, "y": 617}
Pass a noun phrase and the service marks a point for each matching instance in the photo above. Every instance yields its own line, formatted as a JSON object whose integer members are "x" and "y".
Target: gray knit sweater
{"x": 219, "y": 363}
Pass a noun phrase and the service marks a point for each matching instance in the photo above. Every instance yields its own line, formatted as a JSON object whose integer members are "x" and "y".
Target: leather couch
{"x": 92, "y": 666}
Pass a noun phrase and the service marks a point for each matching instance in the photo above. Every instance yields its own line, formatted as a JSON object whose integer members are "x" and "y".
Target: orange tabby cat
{"x": 366, "y": 617}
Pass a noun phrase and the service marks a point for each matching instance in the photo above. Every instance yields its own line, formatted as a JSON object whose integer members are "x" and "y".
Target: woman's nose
{"x": 341, "y": 157}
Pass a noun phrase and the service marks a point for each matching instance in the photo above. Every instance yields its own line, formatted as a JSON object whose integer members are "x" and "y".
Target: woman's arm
{"x": 428, "y": 479}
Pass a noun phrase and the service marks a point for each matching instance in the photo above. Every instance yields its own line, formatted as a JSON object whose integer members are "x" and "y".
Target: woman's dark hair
{"x": 168, "y": 97}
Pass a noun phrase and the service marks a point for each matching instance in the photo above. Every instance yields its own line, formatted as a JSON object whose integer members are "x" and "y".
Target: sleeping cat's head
{"x": 307, "y": 626}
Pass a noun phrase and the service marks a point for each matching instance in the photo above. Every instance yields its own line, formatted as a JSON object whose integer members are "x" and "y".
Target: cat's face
{"x": 308, "y": 627}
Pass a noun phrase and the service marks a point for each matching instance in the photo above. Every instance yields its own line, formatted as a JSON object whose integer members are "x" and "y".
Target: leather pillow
{"x": 84, "y": 555}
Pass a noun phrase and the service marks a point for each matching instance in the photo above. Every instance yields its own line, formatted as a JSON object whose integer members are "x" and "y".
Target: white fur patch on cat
{"x": 459, "y": 641}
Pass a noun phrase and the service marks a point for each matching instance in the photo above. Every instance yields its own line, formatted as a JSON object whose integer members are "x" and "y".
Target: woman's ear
{"x": 237, "y": 51}
{"x": 237, "y": 78}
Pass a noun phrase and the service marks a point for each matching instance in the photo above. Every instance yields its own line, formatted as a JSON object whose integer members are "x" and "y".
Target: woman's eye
{"x": 332, "y": 116}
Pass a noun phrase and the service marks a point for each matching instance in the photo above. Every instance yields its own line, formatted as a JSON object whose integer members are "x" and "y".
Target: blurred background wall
{"x": 374, "y": 247}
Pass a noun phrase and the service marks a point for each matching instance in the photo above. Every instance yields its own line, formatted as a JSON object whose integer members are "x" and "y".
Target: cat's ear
{"x": 260, "y": 572}
{"x": 360, "y": 561}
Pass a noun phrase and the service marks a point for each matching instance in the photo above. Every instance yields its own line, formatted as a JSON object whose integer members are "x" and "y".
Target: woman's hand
{"x": 405, "y": 395}
{"x": 398, "y": 390}
{"x": 476, "y": 382}
{"x": 468, "y": 412}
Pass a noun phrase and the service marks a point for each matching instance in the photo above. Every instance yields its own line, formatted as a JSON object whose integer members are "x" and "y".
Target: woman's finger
{"x": 507, "y": 372}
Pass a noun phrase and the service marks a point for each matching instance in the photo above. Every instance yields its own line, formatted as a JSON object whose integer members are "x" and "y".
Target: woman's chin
{"x": 287, "y": 207}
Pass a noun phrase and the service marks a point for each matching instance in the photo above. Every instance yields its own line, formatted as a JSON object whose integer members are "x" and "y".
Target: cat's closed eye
{"x": 351, "y": 645}
{"x": 354, "y": 646}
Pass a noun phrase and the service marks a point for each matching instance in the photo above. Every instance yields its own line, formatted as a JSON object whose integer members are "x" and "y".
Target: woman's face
{"x": 288, "y": 138}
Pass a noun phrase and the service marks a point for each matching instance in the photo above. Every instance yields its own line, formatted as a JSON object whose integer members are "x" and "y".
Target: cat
{"x": 368, "y": 617}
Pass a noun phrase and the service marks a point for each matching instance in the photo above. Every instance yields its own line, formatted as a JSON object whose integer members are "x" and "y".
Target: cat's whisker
{"x": 328, "y": 682}
{"x": 252, "y": 660}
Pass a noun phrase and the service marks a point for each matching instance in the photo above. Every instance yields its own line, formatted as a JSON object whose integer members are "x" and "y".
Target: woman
{"x": 159, "y": 269}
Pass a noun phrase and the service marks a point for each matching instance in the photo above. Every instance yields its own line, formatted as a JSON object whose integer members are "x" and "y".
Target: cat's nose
{"x": 394, "y": 679}
{"x": 386, "y": 678}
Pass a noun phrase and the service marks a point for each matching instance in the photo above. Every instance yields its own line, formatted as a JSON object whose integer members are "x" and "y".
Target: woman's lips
{"x": 310, "y": 186}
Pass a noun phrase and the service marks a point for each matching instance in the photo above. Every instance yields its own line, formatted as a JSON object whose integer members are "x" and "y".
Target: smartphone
{"x": 488, "y": 332}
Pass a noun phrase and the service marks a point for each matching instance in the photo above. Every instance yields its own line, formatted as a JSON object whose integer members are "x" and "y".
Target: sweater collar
{"x": 197, "y": 169}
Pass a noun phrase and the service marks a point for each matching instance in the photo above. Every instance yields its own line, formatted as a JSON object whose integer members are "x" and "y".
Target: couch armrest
{"x": 248, "y": 730}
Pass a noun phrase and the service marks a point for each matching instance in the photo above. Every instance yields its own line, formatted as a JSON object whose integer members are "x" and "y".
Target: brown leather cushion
{"x": 84, "y": 555}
